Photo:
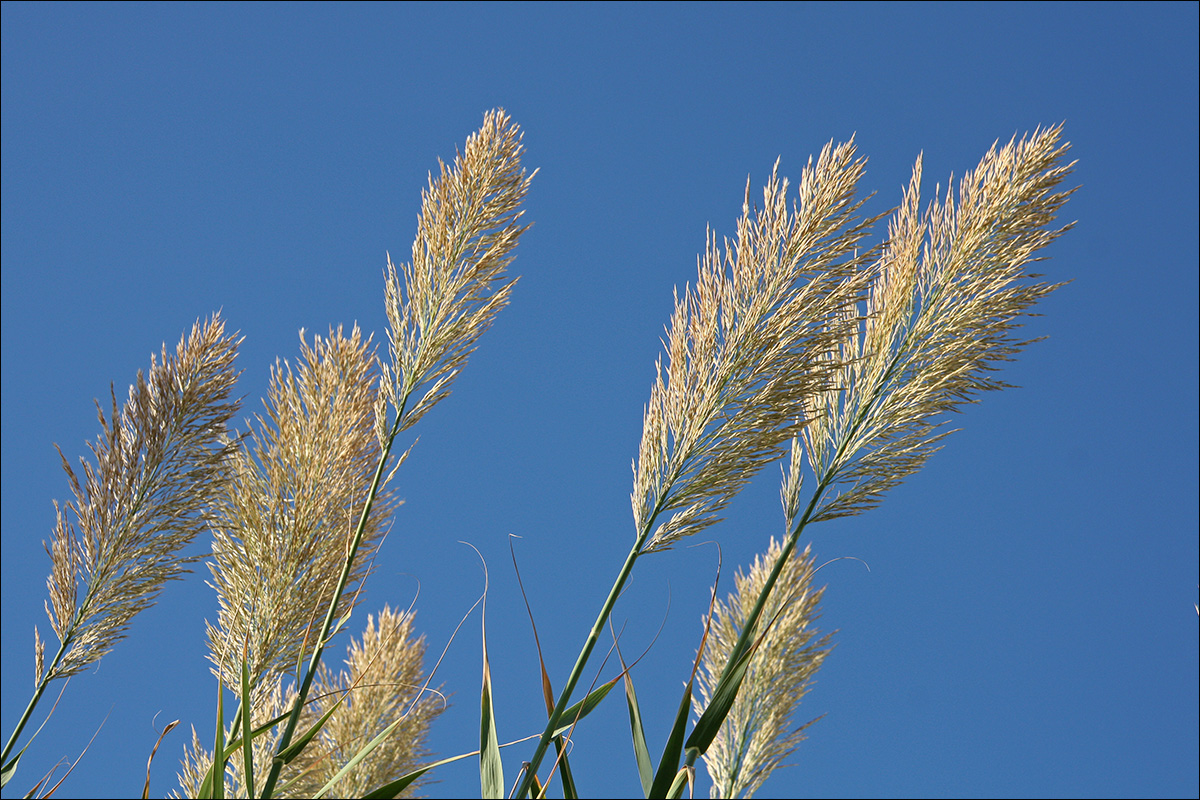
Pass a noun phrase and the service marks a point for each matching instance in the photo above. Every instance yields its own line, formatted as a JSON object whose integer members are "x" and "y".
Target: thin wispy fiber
{"x": 288, "y": 510}
{"x": 759, "y": 732}
{"x": 158, "y": 466}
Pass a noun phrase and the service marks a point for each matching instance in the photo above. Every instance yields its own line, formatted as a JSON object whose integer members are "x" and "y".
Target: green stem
{"x": 331, "y": 615}
{"x": 37, "y": 696}
{"x": 577, "y": 671}
{"x": 743, "y": 643}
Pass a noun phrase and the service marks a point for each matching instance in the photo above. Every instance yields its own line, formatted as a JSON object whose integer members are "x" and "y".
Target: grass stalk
{"x": 564, "y": 697}
{"x": 37, "y": 696}
{"x": 331, "y": 615}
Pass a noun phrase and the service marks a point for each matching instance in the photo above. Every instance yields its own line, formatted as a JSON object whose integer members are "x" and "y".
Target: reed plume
{"x": 382, "y": 681}
{"x": 158, "y": 464}
{"x": 442, "y": 301}
{"x": 758, "y": 735}
{"x": 949, "y": 289}
{"x": 946, "y": 293}
{"x": 284, "y": 522}
{"x": 748, "y": 346}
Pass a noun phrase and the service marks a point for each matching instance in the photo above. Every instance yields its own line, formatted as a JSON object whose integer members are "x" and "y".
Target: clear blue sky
{"x": 1026, "y": 628}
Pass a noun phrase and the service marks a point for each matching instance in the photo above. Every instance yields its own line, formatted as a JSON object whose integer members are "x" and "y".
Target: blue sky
{"x": 1026, "y": 627}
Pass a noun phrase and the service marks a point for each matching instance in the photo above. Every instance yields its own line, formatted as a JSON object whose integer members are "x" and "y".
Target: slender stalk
{"x": 589, "y": 644}
{"x": 37, "y": 696}
{"x": 743, "y": 643}
{"x": 309, "y": 674}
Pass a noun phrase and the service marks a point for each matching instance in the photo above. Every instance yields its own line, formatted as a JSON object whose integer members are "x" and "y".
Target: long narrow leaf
{"x": 247, "y": 740}
{"x": 585, "y": 706}
{"x": 491, "y": 770}
{"x": 233, "y": 745}
{"x": 146, "y": 789}
{"x": 395, "y": 787}
{"x": 298, "y": 745}
{"x": 206, "y": 791}
{"x": 10, "y": 768}
{"x": 668, "y": 766}
{"x": 568, "y": 779}
{"x": 366, "y": 751}
{"x": 214, "y": 782}
{"x": 640, "y": 752}
{"x": 390, "y": 790}
{"x": 725, "y": 693}
{"x": 685, "y": 777}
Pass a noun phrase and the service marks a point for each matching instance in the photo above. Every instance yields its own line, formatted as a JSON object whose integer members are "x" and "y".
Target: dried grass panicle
{"x": 759, "y": 734}
{"x": 749, "y": 345}
{"x": 440, "y": 303}
{"x": 292, "y": 499}
{"x": 193, "y": 767}
{"x": 949, "y": 289}
{"x": 381, "y": 682}
{"x": 158, "y": 465}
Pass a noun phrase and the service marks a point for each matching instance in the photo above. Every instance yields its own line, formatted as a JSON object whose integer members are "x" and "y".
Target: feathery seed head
{"x": 441, "y": 302}
{"x": 758, "y": 734}
{"x": 158, "y": 464}
{"x": 748, "y": 346}
{"x": 292, "y": 499}
{"x": 382, "y": 682}
{"x": 948, "y": 290}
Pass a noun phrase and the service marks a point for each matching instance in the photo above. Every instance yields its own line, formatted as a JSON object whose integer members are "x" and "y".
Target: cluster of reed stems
{"x": 799, "y": 337}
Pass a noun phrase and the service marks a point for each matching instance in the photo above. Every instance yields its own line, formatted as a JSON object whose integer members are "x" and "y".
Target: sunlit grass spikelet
{"x": 747, "y": 346}
{"x": 950, "y": 287}
{"x": 381, "y": 682}
{"x": 293, "y": 497}
{"x": 157, "y": 468}
{"x": 441, "y": 302}
{"x": 760, "y": 730}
